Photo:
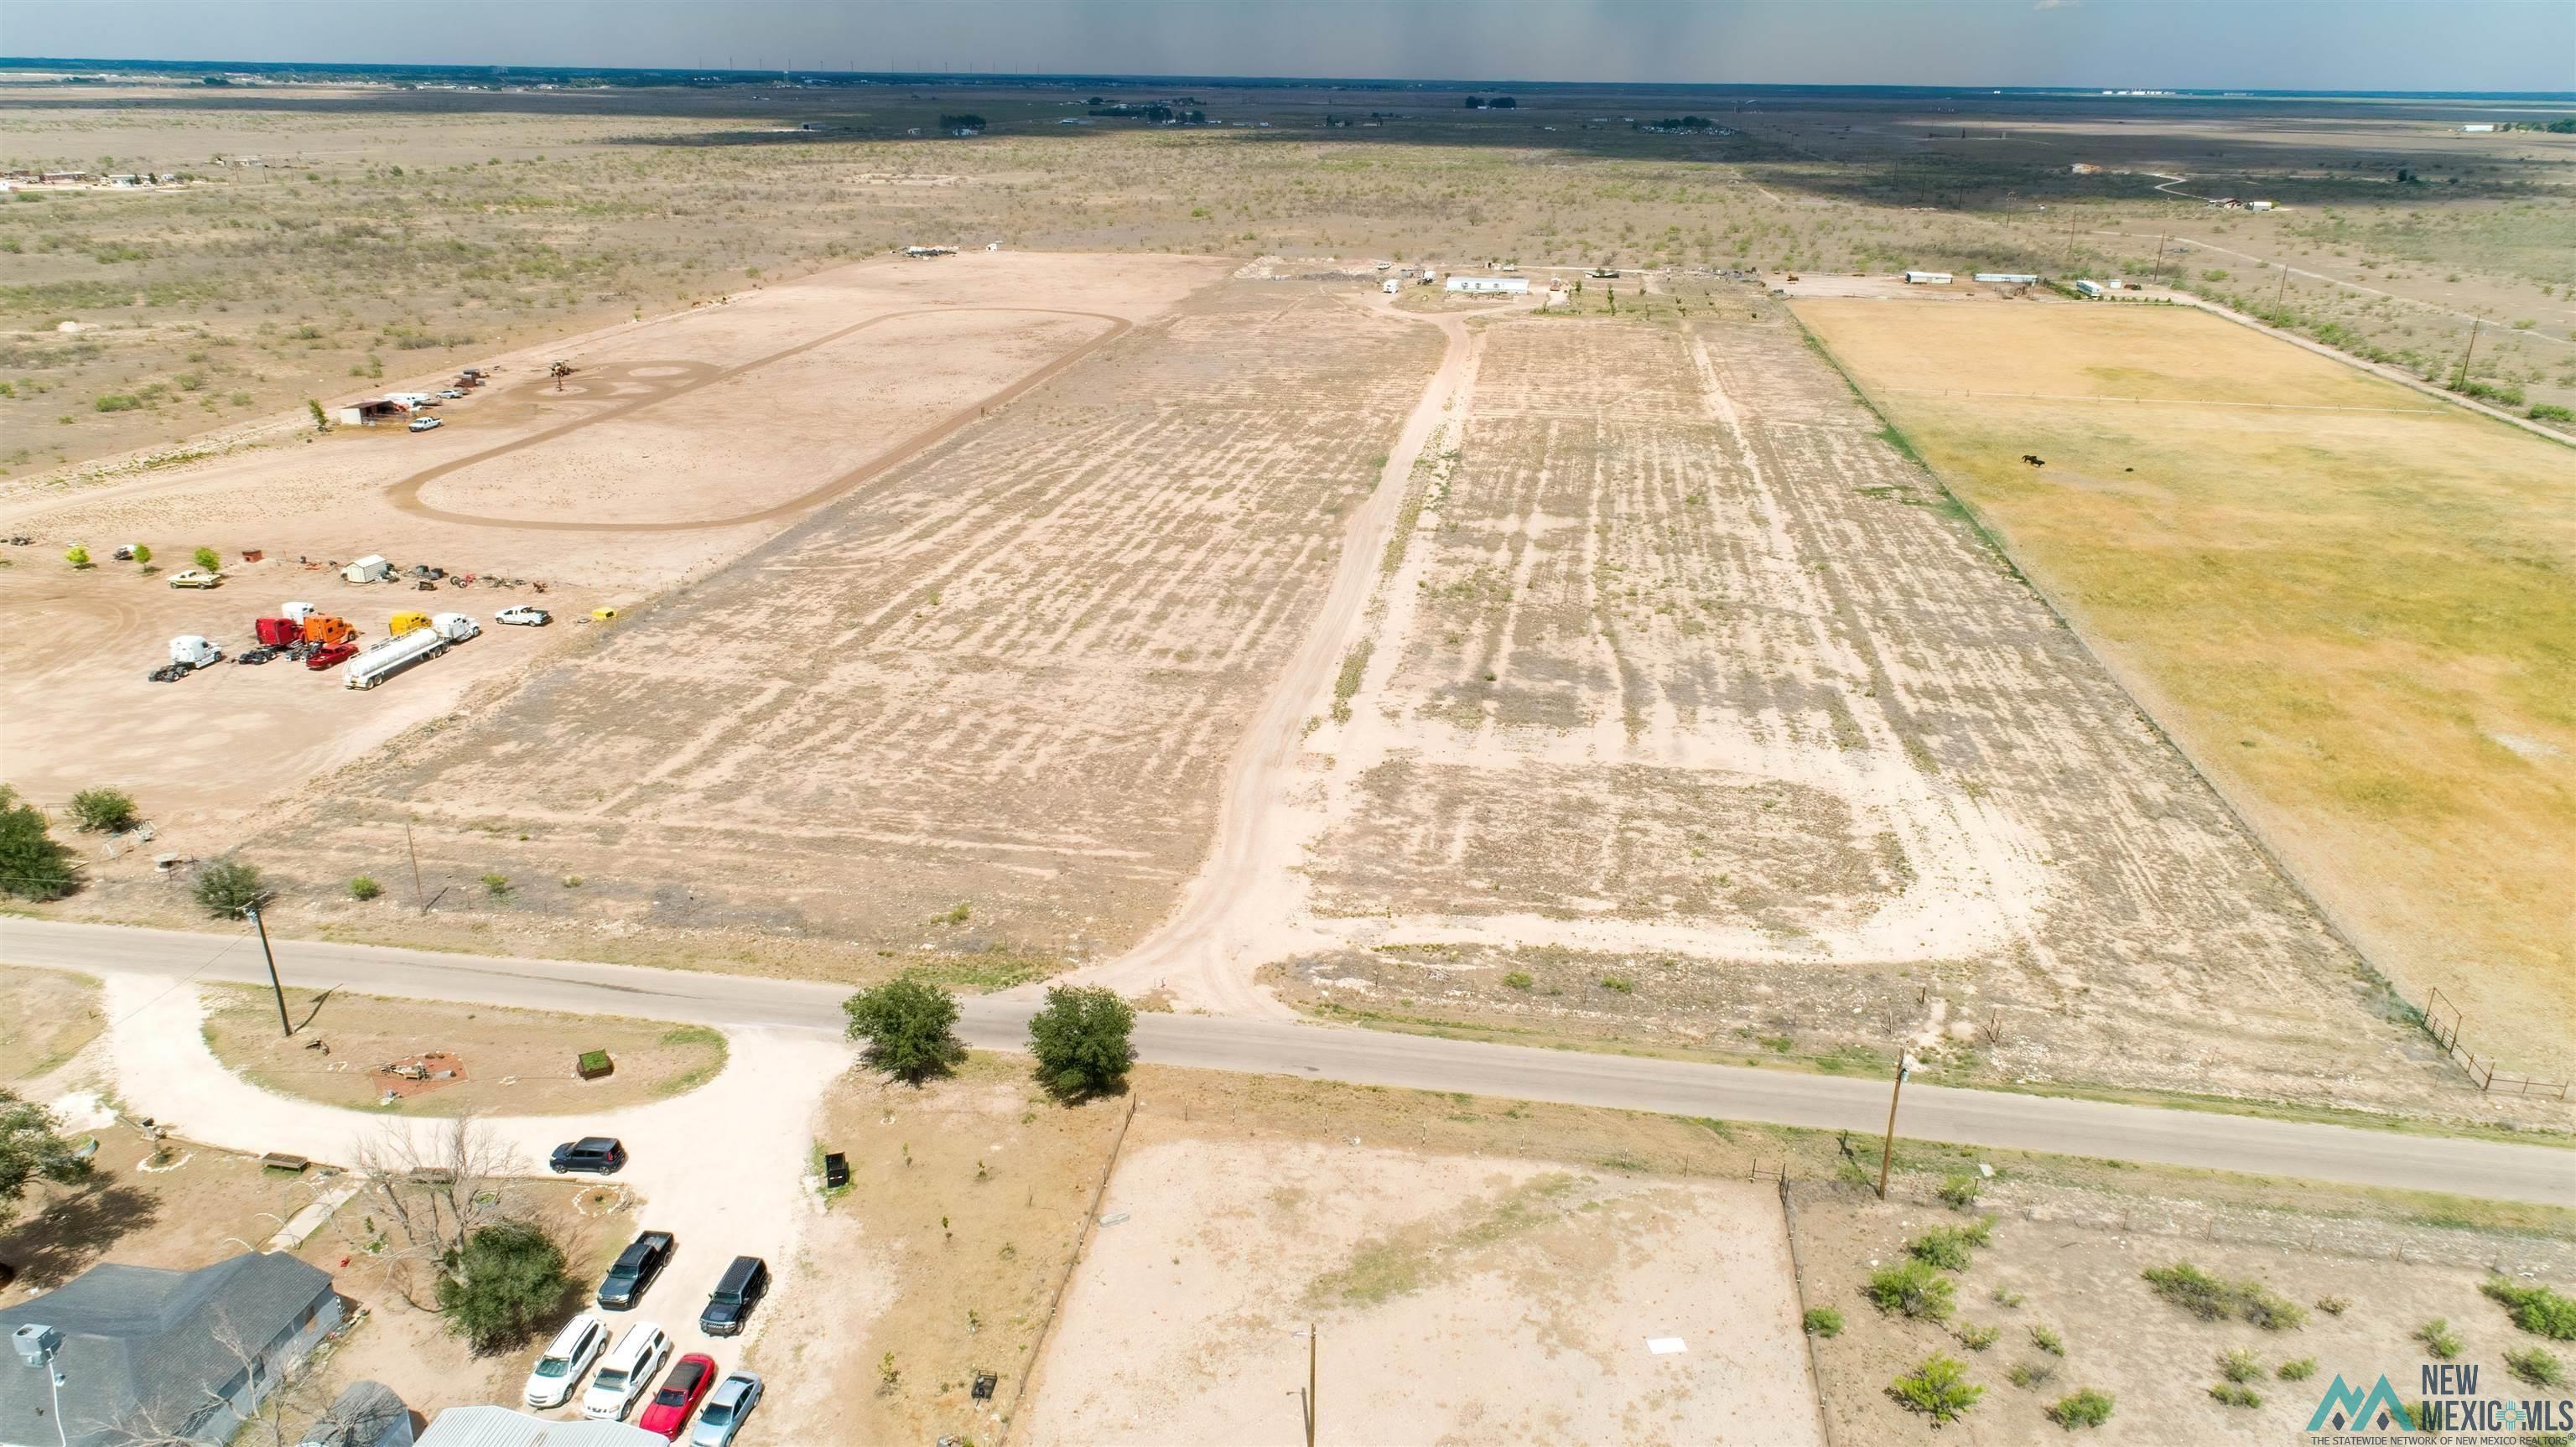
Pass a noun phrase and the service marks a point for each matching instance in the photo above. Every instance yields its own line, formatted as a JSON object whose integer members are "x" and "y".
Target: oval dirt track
{"x": 405, "y": 494}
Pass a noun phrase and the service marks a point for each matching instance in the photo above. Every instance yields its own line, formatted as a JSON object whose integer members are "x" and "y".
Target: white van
{"x": 627, "y": 1372}
{"x": 567, "y": 1357}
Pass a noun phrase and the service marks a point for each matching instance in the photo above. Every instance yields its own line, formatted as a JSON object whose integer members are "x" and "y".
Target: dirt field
{"x": 2066, "y": 1263}
{"x": 967, "y": 1198}
{"x": 1458, "y": 1299}
{"x": 1689, "y": 716}
{"x": 2338, "y": 595}
{"x": 979, "y": 707}
{"x": 45, "y": 1018}
{"x": 496, "y": 1062}
{"x": 663, "y": 407}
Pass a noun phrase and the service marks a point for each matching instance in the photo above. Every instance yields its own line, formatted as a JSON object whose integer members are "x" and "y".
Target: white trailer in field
{"x": 394, "y": 655}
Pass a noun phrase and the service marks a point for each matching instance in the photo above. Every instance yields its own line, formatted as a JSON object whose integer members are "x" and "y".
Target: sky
{"x": 2435, "y": 45}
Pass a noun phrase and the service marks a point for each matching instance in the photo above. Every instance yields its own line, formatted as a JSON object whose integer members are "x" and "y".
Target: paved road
{"x": 2490, "y": 1169}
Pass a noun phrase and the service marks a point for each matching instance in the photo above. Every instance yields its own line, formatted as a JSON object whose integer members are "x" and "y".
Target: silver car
{"x": 726, "y": 1407}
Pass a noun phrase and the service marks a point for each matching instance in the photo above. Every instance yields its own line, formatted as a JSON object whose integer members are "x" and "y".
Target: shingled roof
{"x": 143, "y": 1344}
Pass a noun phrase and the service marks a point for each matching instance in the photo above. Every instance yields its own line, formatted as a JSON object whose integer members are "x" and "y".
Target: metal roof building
{"x": 503, "y": 1427}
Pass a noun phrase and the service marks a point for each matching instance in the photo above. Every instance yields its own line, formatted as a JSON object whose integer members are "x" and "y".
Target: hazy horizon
{"x": 2313, "y": 45}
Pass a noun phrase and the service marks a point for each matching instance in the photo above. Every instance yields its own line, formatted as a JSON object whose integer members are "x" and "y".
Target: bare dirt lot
{"x": 477, "y": 1062}
{"x": 982, "y": 702}
{"x": 45, "y": 1018}
{"x": 2341, "y": 597}
{"x": 1459, "y": 1299}
{"x": 644, "y": 449}
{"x": 1691, "y": 716}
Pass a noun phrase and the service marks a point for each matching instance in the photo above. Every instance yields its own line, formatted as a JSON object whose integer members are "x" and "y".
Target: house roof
{"x": 360, "y": 1416}
{"x": 142, "y": 1342}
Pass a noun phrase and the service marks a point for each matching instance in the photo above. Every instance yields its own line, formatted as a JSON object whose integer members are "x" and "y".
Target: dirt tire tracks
{"x": 405, "y": 495}
{"x": 1203, "y": 952}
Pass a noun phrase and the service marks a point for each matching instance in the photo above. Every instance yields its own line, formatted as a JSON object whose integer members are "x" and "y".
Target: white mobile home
{"x": 1490, "y": 285}
{"x": 1927, "y": 278}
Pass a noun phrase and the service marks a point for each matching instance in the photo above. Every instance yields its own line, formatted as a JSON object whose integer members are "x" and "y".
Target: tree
{"x": 910, "y": 1026}
{"x": 76, "y": 555}
{"x": 208, "y": 559}
{"x": 33, "y": 864}
{"x": 106, "y": 811}
{"x": 321, "y": 419}
{"x": 1080, "y": 1040}
{"x": 502, "y": 1286}
{"x": 227, "y": 885}
{"x": 425, "y": 1191}
{"x": 143, "y": 556}
{"x": 31, "y": 1148}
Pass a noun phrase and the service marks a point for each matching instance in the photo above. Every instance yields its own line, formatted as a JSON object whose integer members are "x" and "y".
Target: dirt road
{"x": 405, "y": 494}
{"x": 2492, "y": 1170}
{"x": 1243, "y": 896}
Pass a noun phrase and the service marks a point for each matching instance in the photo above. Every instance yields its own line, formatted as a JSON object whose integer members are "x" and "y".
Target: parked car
{"x": 598, "y": 1154}
{"x": 636, "y": 1266}
{"x": 627, "y": 1371}
{"x": 423, "y": 424}
{"x": 524, "y": 616}
{"x": 551, "y": 1382}
{"x": 689, "y": 1379}
{"x": 195, "y": 578}
{"x": 727, "y": 1406}
{"x": 330, "y": 655}
{"x": 740, "y": 1289}
{"x": 451, "y": 393}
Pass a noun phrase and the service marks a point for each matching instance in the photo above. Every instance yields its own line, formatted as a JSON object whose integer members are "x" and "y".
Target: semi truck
{"x": 394, "y": 655}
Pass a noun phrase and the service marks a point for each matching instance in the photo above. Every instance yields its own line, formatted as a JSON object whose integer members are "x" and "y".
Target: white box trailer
{"x": 392, "y": 656}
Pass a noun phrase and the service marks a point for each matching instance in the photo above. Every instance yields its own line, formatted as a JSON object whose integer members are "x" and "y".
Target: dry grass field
{"x": 46, "y": 1016}
{"x": 336, "y": 236}
{"x": 2348, "y": 603}
{"x": 979, "y": 705}
{"x": 1691, "y": 717}
{"x": 503, "y": 1062}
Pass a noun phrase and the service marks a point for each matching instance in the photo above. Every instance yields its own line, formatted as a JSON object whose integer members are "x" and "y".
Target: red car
{"x": 331, "y": 655}
{"x": 690, "y": 1377}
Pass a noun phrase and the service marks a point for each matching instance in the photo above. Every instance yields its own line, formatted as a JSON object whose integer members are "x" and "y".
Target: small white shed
{"x": 370, "y": 569}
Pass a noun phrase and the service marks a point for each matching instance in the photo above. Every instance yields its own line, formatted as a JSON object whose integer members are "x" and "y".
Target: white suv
{"x": 567, "y": 1357}
{"x": 627, "y": 1372}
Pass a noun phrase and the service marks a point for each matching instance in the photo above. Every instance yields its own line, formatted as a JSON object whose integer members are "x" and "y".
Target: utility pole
{"x": 2159, "y": 274}
{"x": 1887, "y": 1152}
{"x": 252, "y": 909}
{"x": 2283, "y": 292}
{"x": 2470, "y": 351}
{"x": 414, "y": 851}
{"x": 1306, "y": 1394}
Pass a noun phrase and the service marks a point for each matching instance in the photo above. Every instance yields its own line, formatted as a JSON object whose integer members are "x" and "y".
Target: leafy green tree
{"x": 31, "y": 1149}
{"x": 143, "y": 556}
{"x": 208, "y": 559}
{"x": 503, "y": 1286}
{"x": 33, "y": 864}
{"x": 227, "y": 885}
{"x": 1081, "y": 1040}
{"x": 910, "y": 1026}
{"x": 106, "y": 811}
{"x": 76, "y": 555}
{"x": 321, "y": 419}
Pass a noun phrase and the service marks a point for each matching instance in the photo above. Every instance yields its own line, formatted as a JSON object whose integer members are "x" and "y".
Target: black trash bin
{"x": 836, "y": 1171}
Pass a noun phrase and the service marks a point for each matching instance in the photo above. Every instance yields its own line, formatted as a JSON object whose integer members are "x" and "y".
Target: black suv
{"x": 600, "y": 1155}
{"x": 745, "y": 1282}
{"x": 641, "y": 1261}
